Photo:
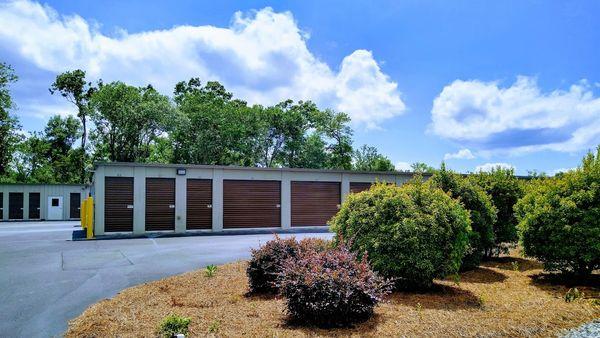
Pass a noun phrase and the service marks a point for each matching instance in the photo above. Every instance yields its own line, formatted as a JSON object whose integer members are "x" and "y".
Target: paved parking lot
{"x": 47, "y": 279}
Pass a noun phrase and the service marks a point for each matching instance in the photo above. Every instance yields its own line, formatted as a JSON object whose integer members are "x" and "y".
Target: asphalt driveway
{"x": 47, "y": 279}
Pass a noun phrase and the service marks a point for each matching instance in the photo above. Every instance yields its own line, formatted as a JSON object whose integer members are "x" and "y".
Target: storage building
{"x": 41, "y": 201}
{"x": 140, "y": 198}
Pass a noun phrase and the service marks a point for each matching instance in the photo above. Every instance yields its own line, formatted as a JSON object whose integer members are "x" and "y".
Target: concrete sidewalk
{"x": 47, "y": 279}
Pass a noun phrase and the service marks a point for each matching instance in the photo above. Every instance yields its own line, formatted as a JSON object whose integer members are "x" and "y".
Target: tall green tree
{"x": 9, "y": 124}
{"x": 128, "y": 120}
{"x": 335, "y": 127}
{"x": 73, "y": 86}
{"x": 367, "y": 158}
{"x": 420, "y": 167}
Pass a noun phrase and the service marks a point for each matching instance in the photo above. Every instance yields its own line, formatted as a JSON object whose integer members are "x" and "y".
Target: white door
{"x": 55, "y": 207}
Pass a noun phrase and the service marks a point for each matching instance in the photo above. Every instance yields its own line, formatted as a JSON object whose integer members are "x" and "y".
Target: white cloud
{"x": 261, "y": 57}
{"x": 403, "y": 166}
{"x": 560, "y": 170}
{"x": 517, "y": 119}
{"x": 463, "y": 154}
{"x": 489, "y": 166}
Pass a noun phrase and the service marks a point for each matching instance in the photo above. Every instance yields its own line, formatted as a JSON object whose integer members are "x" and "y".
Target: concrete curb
{"x": 226, "y": 232}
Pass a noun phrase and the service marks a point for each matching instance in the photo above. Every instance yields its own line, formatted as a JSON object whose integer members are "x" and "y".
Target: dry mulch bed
{"x": 506, "y": 297}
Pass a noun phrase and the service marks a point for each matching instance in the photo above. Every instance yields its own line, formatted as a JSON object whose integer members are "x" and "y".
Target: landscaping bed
{"x": 509, "y": 296}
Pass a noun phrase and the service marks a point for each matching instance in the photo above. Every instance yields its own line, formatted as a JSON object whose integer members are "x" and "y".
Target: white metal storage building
{"x": 140, "y": 198}
{"x": 41, "y": 201}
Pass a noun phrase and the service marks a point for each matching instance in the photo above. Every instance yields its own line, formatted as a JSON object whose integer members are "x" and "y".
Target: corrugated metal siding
{"x": 251, "y": 203}
{"x": 34, "y": 205}
{"x": 199, "y": 204}
{"x": 160, "y": 204}
{"x": 314, "y": 203}
{"x": 118, "y": 194}
{"x": 359, "y": 186}
{"x": 15, "y": 205}
{"x": 74, "y": 205}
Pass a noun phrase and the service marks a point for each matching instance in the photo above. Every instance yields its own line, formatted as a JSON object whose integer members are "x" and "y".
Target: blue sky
{"x": 475, "y": 82}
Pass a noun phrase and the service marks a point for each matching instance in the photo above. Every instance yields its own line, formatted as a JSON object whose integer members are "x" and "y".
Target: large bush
{"x": 505, "y": 190}
{"x": 413, "y": 233}
{"x": 266, "y": 262}
{"x": 331, "y": 288}
{"x": 481, "y": 209}
{"x": 559, "y": 219}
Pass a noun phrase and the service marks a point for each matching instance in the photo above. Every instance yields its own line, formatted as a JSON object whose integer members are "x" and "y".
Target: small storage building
{"x": 41, "y": 201}
{"x": 139, "y": 198}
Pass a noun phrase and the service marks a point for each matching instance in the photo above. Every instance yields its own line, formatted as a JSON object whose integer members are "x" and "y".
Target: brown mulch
{"x": 501, "y": 298}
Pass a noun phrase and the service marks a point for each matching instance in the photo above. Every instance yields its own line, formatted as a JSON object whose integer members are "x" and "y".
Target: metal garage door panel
{"x": 251, "y": 204}
{"x": 199, "y": 204}
{"x": 314, "y": 203}
{"x": 34, "y": 205}
{"x": 359, "y": 186}
{"x": 15, "y": 205}
{"x": 118, "y": 204}
{"x": 75, "y": 205}
{"x": 160, "y": 204}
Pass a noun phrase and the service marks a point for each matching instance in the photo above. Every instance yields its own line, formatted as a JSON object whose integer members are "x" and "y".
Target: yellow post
{"x": 90, "y": 217}
{"x": 82, "y": 213}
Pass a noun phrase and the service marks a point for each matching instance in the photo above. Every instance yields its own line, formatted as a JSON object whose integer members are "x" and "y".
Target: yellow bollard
{"x": 89, "y": 209}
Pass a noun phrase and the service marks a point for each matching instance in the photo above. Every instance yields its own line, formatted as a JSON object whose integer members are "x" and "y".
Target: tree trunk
{"x": 83, "y": 153}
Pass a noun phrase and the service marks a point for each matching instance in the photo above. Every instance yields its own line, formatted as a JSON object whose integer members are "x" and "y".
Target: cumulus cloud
{"x": 560, "y": 170}
{"x": 261, "y": 57}
{"x": 463, "y": 154}
{"x": 519, "y": 118}
{"x": 403, "y": 166}
{"x": 490, "y": 166}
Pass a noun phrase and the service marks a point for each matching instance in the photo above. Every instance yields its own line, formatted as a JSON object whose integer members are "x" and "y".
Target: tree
{"x": 73, "y": 86}
{"x": 505, "y": 189}
{"x": 9, "y": 125}
{"x": 368, "y": 159}
{"x": 128, "y": 120}
{"x": 420, "y": 167}
{"x": 559, "y": 221}
{"x": 481, "y": 209}
{"x": 335, "y": 127}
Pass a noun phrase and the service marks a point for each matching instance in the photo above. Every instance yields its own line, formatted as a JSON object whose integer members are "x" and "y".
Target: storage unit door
{"x": 15, "y": 205}
{"x": 251, "y": 204}
{"x": 34, "y": 205}
{"x": 160, "y": 204}
{"x": 75, "y": 205}
{"x": 314, "y": 203}
{"x": 118, "y": 204}
{"x": 359, "y": 186}
{"x": 199, "y": 204}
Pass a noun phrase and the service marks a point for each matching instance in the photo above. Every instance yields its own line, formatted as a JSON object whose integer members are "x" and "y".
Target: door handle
{"x": 171, "y": 206}
{"x": 209, "y": 206}
{"x": 129, "y": 206}
{"x": 277, "y": 205}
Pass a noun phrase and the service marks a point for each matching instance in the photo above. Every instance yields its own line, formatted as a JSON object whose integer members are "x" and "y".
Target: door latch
{"x": 171, "y": 206}
{"x": 209, "y": 206}
{"x": 129, "y": 206}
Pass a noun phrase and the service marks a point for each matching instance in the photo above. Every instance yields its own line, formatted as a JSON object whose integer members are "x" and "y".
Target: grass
{"x": 509, "y": 296}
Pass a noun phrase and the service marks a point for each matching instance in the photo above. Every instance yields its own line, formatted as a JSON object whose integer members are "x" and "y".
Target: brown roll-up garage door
{"x": 118, "y": 204}
{"x": 199, "y": 204}
{"x": 251, "y": 204}
{"x": 160, "y": 204}
{"x": 359, "y": 186}
{"x": 74, "y": 205}
{"x": 314, "y": 203}
{"x": 34, "y": 205}
{"x": 15, "y": 205}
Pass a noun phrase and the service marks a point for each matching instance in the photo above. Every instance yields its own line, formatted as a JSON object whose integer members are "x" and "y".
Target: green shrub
{"x": 573, "y": 294}
{"x": 413, "y": 233}
{"x": 172, "y": 325}
{"x": 331, "y": 288}
{"x": 481, "y": 209}
{"x": 210, "y": 270}
{"x": 559, "y": 219}
{"x": 265, "y": 265}
{"x": 505, "y": 189}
